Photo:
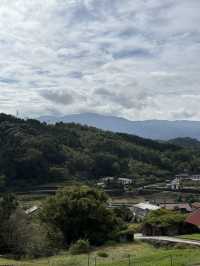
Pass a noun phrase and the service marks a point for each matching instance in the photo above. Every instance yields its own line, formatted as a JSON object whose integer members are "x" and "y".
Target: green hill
{"x": 188, "y": 143}
{"x": 35, "y": 153}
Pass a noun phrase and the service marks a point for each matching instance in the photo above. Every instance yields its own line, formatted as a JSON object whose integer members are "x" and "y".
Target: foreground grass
{"x": 137, "y": 254}
{"x": 195, "y": 236}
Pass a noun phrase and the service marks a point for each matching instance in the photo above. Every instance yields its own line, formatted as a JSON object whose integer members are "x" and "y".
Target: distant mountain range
{"x": 153, "y": 129}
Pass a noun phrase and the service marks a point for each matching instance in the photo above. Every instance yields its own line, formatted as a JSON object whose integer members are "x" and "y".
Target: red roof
{"x": 194, "y": 218}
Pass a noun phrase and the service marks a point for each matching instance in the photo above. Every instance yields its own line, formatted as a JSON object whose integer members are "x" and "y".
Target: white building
{"x": 140, "y": 210}
{"x": 120, "y": 180}
{"x": 176, "y": 184}
{"x": 182, "y": 176}
{"x": 125, "y": 181}
{"x": 195, "y": 177}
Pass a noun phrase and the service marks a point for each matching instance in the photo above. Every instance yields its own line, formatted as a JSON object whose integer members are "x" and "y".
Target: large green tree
{"x": 81, "y": 212}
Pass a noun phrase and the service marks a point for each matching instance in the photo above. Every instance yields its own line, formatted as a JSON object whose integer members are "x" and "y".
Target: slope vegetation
{"x": 34, "y": 153}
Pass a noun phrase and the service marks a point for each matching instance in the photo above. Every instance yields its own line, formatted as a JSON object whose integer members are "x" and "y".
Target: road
{"x": 168, "y": 239}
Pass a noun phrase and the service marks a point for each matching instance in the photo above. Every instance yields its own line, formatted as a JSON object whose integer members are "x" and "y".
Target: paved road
{"x": 168, "y": 239}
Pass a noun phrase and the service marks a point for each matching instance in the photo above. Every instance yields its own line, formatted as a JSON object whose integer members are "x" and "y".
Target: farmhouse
{"x": 142, "y": 209}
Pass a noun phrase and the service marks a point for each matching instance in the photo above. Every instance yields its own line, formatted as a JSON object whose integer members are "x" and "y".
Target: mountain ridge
{"x": 153, "y": 129}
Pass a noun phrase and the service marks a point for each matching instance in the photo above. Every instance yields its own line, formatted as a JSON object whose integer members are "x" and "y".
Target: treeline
{"x": 32, "y": 153}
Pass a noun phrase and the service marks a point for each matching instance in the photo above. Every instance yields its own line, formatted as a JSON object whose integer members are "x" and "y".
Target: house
{"x": 120, "y": 180}
{"x": 142, "y": 209}
{"x": 185, "y": 176}
{"x": 195, "y": 177}
{"x": 175, "y": 184}
{"x": 182, "y": 207}
{"x": 125, "y": 181}
{"x": 182, "y": 176}
{"x": 194, "y": 218}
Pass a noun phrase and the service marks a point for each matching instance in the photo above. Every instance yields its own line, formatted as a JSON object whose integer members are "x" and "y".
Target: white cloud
{"x": 138, "y": 59}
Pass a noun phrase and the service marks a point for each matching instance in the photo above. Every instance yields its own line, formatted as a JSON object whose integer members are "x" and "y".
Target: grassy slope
{"x": 142, "y": 254}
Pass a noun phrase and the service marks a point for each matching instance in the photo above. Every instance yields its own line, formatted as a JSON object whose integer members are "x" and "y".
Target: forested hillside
{"x": 188, "y": 143}
{"x": 33, "y": 153}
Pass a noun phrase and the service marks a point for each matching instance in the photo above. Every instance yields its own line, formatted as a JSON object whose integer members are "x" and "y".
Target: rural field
{"x": 136, "y": 254}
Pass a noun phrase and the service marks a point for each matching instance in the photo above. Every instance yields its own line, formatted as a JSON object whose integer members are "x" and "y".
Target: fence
{"x": 130, "y": 260}
{"x": 133, "y": 261}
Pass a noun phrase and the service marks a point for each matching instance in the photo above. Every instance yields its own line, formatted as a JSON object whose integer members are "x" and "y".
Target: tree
{"x": 81, "y": 213}
{"x": 124, "y": 213}
{"x": 164, "y": 222}
{"x": 8, "y": 205}
{"x": 25, "y": 237}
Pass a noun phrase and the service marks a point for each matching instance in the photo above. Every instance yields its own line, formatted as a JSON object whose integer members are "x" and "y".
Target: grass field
{"x": 195, "y": 236}
{"x": 141, "y": 254}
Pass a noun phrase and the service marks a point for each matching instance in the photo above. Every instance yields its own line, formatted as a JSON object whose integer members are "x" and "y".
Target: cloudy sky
{"x": 138, "y": 59}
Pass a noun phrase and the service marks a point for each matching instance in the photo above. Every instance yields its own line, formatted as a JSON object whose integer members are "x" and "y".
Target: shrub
{"x": 126, "y": 235}
{"x": 111, "y": 242}
{"x": 102, "y": 254}
{"x": 80, "y": 247}
{"x": 135, "y": 228}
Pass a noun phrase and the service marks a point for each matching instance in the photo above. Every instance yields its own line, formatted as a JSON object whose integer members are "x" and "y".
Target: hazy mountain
{"x": 154, "y": 129}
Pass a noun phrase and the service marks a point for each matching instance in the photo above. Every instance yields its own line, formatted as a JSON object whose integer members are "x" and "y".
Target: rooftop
{"x": 147, "y": 206}
{"x": 194, "y": 218}
{"x": 174, "y": 206}
{"x": 31, "y": 210}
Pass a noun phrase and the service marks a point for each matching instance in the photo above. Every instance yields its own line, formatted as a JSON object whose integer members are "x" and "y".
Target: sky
{"x": 137, "y": 59}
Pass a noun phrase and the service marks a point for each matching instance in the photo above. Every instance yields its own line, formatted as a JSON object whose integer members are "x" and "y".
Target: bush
{"x": 80, "y": 247}
{"x": 111, "y": 242}
{"x": 136, "y": 228}
{"x": 102, "y": 254}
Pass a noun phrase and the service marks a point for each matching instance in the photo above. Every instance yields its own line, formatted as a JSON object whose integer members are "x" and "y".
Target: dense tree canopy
{"x": 32, "y": 152}
{"x": 165, "y": 222}
{"x": 81, "y": 213}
